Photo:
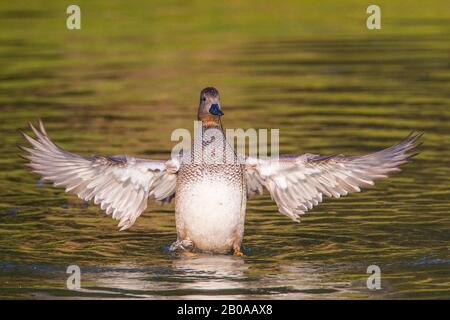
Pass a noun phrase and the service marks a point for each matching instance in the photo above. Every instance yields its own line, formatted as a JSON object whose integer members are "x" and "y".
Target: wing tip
{"x": 413, "y": 138}
{"x": 413, "y": 142}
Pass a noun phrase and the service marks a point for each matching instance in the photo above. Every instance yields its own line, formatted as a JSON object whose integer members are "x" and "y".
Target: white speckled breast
{"x": 210, "y": 204}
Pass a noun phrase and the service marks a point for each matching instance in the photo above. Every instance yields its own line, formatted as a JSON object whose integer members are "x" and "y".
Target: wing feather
{"x": 297, "y": 183}
{"x": 121, "y": 185}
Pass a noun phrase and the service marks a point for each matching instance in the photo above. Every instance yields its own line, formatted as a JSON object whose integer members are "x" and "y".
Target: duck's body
{"x": 210, "y": 183}
{"x": 210, "y": 194}
{"x": 210, "y": 206}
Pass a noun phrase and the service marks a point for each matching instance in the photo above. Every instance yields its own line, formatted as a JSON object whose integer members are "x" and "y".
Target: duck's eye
{"x": 203, "y": 99}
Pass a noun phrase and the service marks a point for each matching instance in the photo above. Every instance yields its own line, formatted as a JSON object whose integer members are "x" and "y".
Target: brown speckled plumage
{"x": 214, "y": 171}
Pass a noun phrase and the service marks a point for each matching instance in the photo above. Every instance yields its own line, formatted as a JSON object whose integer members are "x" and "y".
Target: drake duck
{"x": 210, "y": 195}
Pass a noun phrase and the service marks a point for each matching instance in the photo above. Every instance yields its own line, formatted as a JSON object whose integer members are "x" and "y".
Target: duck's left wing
{"x": 297, "y": 183}
{"x": 121, "y": 184}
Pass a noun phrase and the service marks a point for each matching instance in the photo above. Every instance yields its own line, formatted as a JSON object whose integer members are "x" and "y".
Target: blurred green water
{"x": 132, "y": 75}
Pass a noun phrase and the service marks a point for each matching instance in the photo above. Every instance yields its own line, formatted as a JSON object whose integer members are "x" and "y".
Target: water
{"x": 133, "y": 74}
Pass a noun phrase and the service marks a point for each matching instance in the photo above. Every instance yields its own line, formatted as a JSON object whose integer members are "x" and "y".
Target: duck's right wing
{"x": 120, "y": 184}
{"x": 297, "y": 183}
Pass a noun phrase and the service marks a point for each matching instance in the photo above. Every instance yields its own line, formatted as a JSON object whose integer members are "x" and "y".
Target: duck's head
{"x": 209, "y": 109}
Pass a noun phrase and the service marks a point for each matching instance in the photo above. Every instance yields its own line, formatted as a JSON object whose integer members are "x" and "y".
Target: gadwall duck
{"x": 210, "y": 197}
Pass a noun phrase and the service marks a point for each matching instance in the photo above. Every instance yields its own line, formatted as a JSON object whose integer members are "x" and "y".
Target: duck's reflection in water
{"x": 216, "y": 277}
{"x": 186, "y": 276}
{"x": 210, "y": 272}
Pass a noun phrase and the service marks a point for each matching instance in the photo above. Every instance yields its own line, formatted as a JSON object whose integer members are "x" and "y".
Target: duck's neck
{"x": 210, "y": 144}
{"x": 210, "y": 121}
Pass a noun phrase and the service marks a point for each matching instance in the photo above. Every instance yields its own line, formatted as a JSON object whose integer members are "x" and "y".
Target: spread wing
{"x": 120, "y": 184}
{"x": 297, "y": 183}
